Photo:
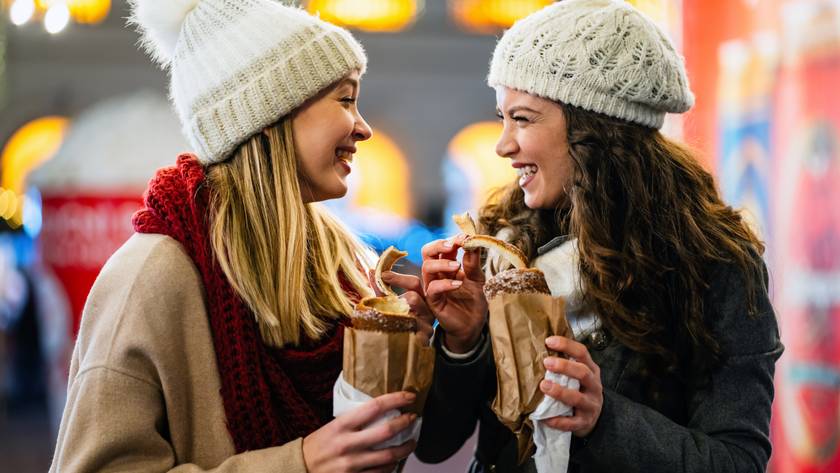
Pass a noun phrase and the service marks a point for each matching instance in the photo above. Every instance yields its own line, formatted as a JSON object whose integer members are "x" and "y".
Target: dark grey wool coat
{"x": 723, "y": 427}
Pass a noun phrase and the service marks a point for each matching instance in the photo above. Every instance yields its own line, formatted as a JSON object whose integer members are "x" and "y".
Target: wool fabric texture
{"x": 238, "y": 66}
{"x": 271, "y": 396}
{"x": 600, "y": 55}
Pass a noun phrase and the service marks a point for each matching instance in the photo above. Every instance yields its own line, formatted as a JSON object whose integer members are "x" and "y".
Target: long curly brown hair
{"x": 651, "y": 229}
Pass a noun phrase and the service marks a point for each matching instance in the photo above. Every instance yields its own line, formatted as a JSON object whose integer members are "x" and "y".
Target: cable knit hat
{"x": 237, "y": 66}
{"x": 601, "y": 55}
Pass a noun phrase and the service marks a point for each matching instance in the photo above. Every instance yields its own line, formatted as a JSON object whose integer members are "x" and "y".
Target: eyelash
{"x": 515, "y": 118}
{"x": 349, "y": 100}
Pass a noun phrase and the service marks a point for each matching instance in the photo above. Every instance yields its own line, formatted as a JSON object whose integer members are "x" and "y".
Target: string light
{"x": 491, "y": 16}
{"x": 57, "y": 14}
{"x": 56, "y": 18}
{"x": 89, "y": 12}
{"x": 380, "y": 16}
{"x": 21, "y": 11}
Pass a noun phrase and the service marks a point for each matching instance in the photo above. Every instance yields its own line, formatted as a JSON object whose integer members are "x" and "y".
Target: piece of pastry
{"x": 387, "y": 313}
{"x": 465, "y": 223}
{"x": 474, "y": 241}
{"x": 509, "y": 252}
{"x": 385, "y": 263}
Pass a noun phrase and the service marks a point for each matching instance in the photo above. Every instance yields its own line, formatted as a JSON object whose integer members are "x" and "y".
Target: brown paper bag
{"x": 378, "y": 363}
{"x": 519, "y": 325}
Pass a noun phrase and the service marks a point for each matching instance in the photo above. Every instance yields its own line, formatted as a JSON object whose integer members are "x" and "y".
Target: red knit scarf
{"x": 270, "y": 396}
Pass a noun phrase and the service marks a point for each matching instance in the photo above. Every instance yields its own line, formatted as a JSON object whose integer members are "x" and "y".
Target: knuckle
{"x": 343, "y": 464}
{"x": 391, "y": 429}
{"x": 342, "y": 447}
{"x": 431, "y": 248}
{"x": 377, "y": 404}
{"x": 564, "y": 364}
{"x": 390, "y": 455}
{"x": 413, "y": 283}
{"x": 555, "y": 423}
{"x": 559, "y": 393}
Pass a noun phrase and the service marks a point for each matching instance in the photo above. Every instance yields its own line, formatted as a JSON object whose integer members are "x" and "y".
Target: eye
{"x": 348, "y": 100}
{"x": 499, "y": 116}
{"x": 519, "y": 118}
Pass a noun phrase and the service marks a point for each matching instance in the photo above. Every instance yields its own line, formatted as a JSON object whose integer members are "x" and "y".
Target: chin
{"x": 535, "y": 204}
{"x": 531, "y": 202}
{"x": 338, "y": 192}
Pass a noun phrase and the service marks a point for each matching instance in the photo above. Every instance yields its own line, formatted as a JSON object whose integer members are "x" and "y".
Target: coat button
{"x": 598, "y": 340}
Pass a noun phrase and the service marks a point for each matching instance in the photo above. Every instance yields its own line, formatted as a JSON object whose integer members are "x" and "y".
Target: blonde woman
{"x": 212, "y": 339}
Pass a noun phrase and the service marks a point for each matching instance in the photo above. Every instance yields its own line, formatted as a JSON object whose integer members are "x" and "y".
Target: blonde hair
{"x": 282, "y": 256}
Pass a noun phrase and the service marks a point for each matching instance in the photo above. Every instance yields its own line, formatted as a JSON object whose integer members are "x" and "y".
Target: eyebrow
{"x": 351, "y": 82}
{"x": 522, "y": 108}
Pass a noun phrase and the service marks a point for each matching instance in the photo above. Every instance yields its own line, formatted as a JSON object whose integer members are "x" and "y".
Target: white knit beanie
{"x": 237, "y": 66}
{"x": 600, "y": 55}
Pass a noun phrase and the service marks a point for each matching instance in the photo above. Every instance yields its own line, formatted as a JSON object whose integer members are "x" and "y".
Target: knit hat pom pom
{"x": 159, "y": 23}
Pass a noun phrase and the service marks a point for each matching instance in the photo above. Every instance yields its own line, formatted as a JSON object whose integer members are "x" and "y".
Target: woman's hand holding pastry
{"x": 454, "y": 292}
{"x": 346, "y": 444}
{"x": 414, "y": 296}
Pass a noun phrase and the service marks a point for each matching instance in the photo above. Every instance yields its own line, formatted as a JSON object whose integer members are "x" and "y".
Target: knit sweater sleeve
{"x": 98, "y": 436}
{"x": 728, "y": 422}
{"x": 143, "y": 394}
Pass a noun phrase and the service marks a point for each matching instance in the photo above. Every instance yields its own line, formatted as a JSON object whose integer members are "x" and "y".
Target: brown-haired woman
{"x": 675, "y": 341}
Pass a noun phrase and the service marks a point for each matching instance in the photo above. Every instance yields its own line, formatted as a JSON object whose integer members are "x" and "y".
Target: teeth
{"x": 344, "y": 155}
{"x": 526, "y": 170}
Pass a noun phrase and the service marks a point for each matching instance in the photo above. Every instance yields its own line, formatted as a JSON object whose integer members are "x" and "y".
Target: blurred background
{"x": 84, "y": 123}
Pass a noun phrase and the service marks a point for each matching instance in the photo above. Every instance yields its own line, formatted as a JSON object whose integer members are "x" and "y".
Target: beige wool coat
{"x": 144, "y": 386}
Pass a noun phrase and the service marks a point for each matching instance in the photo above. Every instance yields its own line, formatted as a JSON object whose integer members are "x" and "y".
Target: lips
{"x": 525, "y": 172}
{"x": 345, "y": 155}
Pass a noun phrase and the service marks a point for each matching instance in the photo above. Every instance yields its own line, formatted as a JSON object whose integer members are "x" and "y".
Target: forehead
{"x": 506, "y": 98}
{"x": 353, "y": 79}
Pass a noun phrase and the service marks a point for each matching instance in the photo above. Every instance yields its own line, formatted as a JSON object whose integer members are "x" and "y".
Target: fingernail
{"x": 547, "y": 362}
{"x": 409, "y": 396}
{"x": 454, "y": 264}
{"x": 551, "y": 340}
{"x": 545, "y": 385}
{"x": 457, "y": 283}
{"x": 448, "y": 244}
{"x": 412, "y": 418}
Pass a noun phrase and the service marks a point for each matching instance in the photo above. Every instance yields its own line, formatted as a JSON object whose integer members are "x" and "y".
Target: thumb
{"x": 472, "y": 266}
{"x": 372, "y": 282}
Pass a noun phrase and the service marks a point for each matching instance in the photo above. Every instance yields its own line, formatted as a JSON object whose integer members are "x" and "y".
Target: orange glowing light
{"x": 379, "y": 16}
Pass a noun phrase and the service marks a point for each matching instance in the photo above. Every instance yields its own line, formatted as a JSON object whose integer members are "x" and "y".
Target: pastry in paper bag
{"x": 522, "y": 315}
{"x": 383, "y": 354}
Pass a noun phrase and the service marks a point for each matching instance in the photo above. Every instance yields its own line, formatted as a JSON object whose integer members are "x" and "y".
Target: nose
{"x": 361, "y": 130}
{"x": 506, "y": 147}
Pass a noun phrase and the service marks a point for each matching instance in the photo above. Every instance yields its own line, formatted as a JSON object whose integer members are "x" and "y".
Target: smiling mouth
{"x": 525, "y": 173}
{"x": 344, "y": 156}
